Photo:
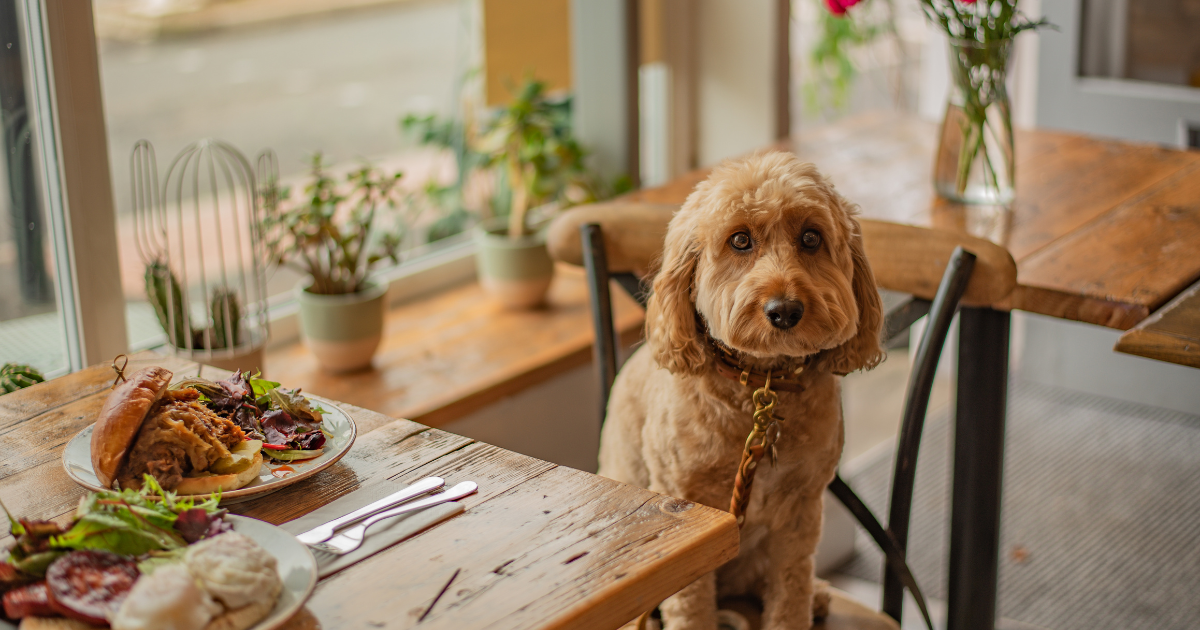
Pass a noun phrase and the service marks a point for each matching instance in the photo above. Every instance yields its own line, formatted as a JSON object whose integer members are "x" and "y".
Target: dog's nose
{"x": 783, "y": 313}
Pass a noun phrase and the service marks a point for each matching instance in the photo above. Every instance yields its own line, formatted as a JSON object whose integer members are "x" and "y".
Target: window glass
{"x": 31, "y": 324}
{"x": 296, "y": 78}
{"x": 1145, "y": 40}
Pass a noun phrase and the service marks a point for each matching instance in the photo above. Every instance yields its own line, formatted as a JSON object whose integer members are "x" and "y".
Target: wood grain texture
{"x": 1101, "y": 231}
{"x": 912, "y": 260}
{"x": 540, "y": 546}
{"x": 1171, "y": 334}
{"x": 633, "y": 234}
{"x": 1144, "y": 250}
{"x": 451, "y": 354}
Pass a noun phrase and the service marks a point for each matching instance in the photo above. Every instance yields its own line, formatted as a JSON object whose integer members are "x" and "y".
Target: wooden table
{"x": 540, "y": 545}
{"x": 1171, "y": 334}
{"x": 1102, "y": 232}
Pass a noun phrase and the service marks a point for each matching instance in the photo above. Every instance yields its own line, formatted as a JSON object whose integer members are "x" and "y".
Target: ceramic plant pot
{"x": 515, "y": 272}
{"x": 343, "y": 331}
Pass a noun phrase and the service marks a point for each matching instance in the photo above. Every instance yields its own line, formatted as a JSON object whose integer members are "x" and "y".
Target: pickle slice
{"x": 239, "y": 459}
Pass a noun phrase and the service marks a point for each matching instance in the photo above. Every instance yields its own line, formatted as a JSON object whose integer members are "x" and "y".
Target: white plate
{"x": 296, "y": 565}
{"x": 77, "y": 458}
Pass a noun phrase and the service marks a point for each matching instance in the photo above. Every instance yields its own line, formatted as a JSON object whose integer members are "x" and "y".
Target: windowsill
{"x": 453, "y": 352}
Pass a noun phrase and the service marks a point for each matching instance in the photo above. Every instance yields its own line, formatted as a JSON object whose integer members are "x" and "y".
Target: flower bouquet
{"x": 974, "y": 161}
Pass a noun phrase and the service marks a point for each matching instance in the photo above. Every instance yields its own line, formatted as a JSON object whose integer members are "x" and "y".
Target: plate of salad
{"x": 297, "y": 435}
{"x": 209, "y": 568}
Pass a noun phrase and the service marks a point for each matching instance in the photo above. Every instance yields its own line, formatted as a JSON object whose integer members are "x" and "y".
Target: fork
{"x": 352, "y": 538}
{"x": 325, "y": 532}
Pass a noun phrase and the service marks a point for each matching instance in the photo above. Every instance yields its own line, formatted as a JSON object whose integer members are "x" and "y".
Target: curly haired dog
{"x": 763, "y": 264}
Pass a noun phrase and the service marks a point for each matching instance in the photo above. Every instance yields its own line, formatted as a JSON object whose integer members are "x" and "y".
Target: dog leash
{"x": 761, "y": 441}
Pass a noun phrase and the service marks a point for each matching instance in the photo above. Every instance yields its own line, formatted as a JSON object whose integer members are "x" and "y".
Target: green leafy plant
{"x": 14, "y": 376}
{"x": 336, "y": 231}
{"x": 446, "y": 199}
{"x": 526, "y": 148}
{"x": 982, "y": 33}
{"x": 531, "y": 141}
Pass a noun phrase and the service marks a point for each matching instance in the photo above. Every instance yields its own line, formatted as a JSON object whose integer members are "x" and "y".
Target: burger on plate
{"x": 147, "y": 428}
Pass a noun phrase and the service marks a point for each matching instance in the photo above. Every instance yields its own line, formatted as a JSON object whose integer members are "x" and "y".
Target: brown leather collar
{"x": 727, "y": 366}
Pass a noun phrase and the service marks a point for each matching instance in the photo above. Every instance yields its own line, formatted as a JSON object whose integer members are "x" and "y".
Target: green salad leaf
{"x": 130, "y": 522}
{"x": 294, "y": 404}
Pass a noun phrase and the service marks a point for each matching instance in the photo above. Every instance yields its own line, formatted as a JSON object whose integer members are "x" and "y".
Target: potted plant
{"x": 540, "y": 166}
{"x": 336, "y": 233}
{"x": 534, "y": 166}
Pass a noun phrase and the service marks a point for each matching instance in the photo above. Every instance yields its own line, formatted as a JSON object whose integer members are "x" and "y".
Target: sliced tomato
{"x": 90, "y": 585}
{"x": 28, "y": 601}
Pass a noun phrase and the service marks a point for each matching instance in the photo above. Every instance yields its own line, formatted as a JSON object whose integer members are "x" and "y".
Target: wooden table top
{"x": 1171, "y": 334}
{"x": 539, "y": 546}
{"x": 1102, "y": 231}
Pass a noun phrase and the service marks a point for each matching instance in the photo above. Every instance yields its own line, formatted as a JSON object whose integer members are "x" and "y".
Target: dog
{"x": 763, "y": 270}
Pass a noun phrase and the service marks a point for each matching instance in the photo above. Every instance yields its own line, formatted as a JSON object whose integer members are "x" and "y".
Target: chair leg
{"x": 978, "y": 465}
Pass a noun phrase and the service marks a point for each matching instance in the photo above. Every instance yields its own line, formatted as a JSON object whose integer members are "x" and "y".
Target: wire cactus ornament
{"x": 197, "y": 234}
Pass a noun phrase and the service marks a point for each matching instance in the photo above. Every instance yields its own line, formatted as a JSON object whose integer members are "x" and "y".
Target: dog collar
{"x": 727, "y": 366}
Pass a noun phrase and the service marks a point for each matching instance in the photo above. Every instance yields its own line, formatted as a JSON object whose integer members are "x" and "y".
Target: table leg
{"x": 978, "y": 464}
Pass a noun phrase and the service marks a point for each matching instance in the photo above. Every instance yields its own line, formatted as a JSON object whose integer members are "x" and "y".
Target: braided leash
{"x": 759, "y": 443}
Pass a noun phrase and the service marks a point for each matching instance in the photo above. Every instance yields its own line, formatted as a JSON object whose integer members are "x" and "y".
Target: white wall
{"x": 555, "y": 421}
{"x": 1081, "y": 357}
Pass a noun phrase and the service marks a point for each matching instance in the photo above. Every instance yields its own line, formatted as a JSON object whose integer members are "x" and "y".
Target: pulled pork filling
{"x": 180, "y": 437}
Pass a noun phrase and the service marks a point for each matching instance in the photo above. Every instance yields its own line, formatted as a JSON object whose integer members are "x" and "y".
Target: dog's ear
{"x": 863, "y": 350}
{"x": 670, "y": 313}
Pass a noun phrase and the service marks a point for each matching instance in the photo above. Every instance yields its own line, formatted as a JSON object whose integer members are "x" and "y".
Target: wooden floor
{"x": 445, "y": 356}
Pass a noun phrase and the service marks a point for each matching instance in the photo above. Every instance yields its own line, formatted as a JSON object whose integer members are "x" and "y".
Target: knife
{"x": 324, "y": 532}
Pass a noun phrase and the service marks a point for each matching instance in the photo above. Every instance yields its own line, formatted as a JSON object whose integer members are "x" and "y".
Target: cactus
{"x": 161, "y": 286}
{"x": 226, "y": 317}
{"x": 14, "y": 376}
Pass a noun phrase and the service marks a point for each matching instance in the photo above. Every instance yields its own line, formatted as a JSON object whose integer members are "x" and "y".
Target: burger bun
{"x": 121, "y": 417}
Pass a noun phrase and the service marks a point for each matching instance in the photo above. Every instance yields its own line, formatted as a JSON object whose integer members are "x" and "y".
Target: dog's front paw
{"x": 821, "y": 600}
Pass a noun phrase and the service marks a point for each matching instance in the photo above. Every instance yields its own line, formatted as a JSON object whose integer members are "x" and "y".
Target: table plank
{"x": 1143, "y": 251}
{"x": 598, "y": 576}
{"x": 26, "y": 403}
{"x": 1172, "y": 334}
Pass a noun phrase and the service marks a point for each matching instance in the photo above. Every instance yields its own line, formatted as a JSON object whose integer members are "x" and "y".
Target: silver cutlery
{"x": 352, "y": 538}
{"x": 324, "y": 532}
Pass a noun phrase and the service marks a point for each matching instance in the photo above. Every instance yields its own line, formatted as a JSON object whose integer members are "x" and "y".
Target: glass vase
{"x": 974, "y": 162}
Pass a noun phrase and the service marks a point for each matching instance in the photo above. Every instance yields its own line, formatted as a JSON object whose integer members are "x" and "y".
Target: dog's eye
{"x": 740, "y": 241}
{"x": 811, "y": 239}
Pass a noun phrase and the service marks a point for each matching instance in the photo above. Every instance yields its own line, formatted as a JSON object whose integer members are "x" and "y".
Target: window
{"x": 33, "y": 317}
{"x": 273, "y": 77}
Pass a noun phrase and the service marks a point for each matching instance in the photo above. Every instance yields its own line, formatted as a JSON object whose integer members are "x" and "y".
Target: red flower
{"x": 967, "y": 1}
{"x": 838, "y": 7}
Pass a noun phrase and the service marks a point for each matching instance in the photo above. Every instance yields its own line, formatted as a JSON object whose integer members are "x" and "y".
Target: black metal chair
{"x": 902, "y": 311}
